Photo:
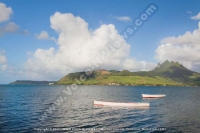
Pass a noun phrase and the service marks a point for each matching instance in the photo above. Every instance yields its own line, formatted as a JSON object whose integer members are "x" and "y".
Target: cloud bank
{"x": 184, "y": 49}
{"x": 78, "y": 49}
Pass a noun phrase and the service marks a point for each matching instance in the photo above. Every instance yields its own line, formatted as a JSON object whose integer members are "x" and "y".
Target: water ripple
{"x": 21, "y": 107}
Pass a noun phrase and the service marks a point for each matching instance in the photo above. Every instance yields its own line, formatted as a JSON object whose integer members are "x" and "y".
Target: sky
{"x": 46, "y": 40}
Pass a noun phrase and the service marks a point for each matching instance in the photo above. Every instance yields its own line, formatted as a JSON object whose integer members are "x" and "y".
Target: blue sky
{"x": 173, "y": 19}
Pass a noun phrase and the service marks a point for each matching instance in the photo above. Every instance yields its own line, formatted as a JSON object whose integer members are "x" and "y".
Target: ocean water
{"x": 32, "y": 108}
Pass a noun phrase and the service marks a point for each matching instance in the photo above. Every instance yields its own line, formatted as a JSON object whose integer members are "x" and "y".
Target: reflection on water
{"x": 21, "y": 107}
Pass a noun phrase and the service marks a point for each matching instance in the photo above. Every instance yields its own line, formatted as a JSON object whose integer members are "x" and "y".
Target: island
{"x": 165, "y": 74}
{"x": 30, "y": 82}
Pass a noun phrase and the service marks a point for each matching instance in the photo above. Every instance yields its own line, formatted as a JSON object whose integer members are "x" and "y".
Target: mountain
{"x": 30, "y": 82}
{"x": 165, "y": 74}
{"x": 176, "y": 71}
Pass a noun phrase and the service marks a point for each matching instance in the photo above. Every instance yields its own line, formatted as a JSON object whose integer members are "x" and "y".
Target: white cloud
{"x": 4, "y": 67}
{"x": 44, "y": 36}
{"x": 197, "y": 17}
{"x": 11, "y": 28}
{"x": 3, "y": 60}
{"x": 79, "y": 47}
{"x": 134, "y": 65}
{"x": 122, "y": 18}
{"x": 184, "y": 49}
{"x": 187, "y": 38}
{"x": 189, "y": 12}
{"x": 101, "y": 22}
{"x": 2, "y": 57}
{"x": 24, "y": 32}
{"x": 5, "y": 12}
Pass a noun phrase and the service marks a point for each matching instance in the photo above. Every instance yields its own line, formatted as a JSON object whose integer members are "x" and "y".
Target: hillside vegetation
{"x": 165, "y": 74}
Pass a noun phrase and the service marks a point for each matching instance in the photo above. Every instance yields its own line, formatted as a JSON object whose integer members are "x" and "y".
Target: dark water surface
{"x": 21, "y": 108}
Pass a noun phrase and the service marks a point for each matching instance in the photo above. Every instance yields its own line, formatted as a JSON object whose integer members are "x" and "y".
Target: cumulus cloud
{"x": 188, "y": 38}
{"x": 197, "y": 17}
{"x": 12, "y": 28}
{"x": 184, "y": 49}
{"x": 189, "y": 12}
{"x": 5, "y": 12}
{"x": 134, "y": 65}
{"x": 44, "y": 36}
{"x": 80, "y": 48}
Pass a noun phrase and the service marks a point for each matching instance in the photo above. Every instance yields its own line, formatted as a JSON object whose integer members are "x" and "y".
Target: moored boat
{"x": 102, "y": 103}
{"x": 153, "y": 96}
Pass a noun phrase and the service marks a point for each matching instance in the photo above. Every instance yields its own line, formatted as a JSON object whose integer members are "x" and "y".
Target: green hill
{"x": 176, "y": 72}
{"x": 165, "y": 74}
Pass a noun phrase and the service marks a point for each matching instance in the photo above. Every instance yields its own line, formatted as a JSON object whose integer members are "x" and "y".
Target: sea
{"x": 60, "y": 108}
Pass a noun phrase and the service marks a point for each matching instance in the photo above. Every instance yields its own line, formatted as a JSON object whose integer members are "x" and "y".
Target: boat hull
{"x": 153, "y": 96}
{"x": 102, "y": 103}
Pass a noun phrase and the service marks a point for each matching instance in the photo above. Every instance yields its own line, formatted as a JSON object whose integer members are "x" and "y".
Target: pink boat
{"x": 102, "y": 103}
{"x": 153, "y": 96}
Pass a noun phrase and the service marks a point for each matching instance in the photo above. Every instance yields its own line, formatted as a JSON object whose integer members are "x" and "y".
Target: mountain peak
{"x": 166, "y": 65}
{"x": 176, "y": 71}
{"x": 169, "y": 62}
{"x": 166, "y": 61}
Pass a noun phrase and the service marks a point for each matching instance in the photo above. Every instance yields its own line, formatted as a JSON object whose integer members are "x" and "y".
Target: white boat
{"x": 102, "y": 103}
{"x": 153, "y": 96}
